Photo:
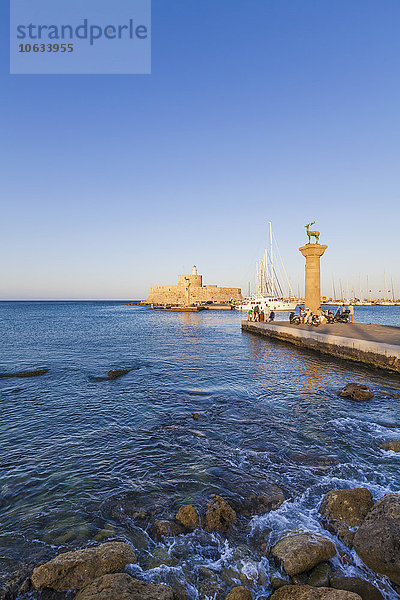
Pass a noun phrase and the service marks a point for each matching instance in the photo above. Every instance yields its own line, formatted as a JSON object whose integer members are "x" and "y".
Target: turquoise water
{"x": 83, "y": 458}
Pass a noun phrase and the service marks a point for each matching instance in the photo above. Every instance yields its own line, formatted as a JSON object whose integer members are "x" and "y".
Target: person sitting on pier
{"x": 345, "y": 314}
{"x": 322, "y": 316}
{"x": 262, "y": 316}
{"x": 307, "y": 316}
{"x": 271, "y": 316}
{"x": 250, "y": 314}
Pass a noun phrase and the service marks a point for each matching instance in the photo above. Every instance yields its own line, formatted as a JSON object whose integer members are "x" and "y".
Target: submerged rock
{"x": 312, "y": 460}
{"x": 303, "y": 551}
{"x": 239, "y": 593}
{"x": 116, "y": 373}
{"x": 76, "y": 569}
{"x": 319, "y": 576}
{"x": 278, "y": 582}
{"x": 34, "y": 373}
{"x": 393, "y": 445}
{"x": 306, "y": 592}
{"x": 16, "y": 583}
{"x": 188, "y": 517}
{"x": 159, "y": 556}
{"x": 342, "y": 510}
{"x": 164, "y": 528}
{"x": 211, "y": 588}
{"x": 356, "y": 391}
{"x": 122, "y": 586}
{"x": 363, "y": 588}
{"x": 387, "y": 394}
{"x": 108, "y": 531}
{"x": 219, "y": 515}
{"x": 260, "y": 503}
{"x": 377, "y": 541}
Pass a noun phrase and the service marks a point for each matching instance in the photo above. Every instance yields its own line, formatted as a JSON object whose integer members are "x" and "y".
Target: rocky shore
{"x": 302, "y": 562}
{"x": 362, "y": 539}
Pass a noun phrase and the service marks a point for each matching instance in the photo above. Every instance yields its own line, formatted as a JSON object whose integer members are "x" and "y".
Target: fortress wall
{"x": 176, "y": 294}
{"x": 160, "y": 294}
{"x": 216, "y": 294}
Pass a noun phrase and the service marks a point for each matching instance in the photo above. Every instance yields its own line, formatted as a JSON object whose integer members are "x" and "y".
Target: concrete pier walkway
{"x": 377, "y": 345}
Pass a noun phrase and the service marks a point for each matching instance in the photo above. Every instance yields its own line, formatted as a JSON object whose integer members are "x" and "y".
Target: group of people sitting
{"x": 306, "y": 315}
{"x": 343, "y": 314}
{"x": 258, "y": 314}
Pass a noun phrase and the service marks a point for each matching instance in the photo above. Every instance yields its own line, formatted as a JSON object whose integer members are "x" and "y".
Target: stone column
{"x": 187, "y": 291}
{"x": 313, "y": 253}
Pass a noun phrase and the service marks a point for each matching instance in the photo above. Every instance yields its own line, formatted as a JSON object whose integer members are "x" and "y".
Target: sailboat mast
{"x": 272, "y": 259}
{"x": 266, "y": 271}
{"x": 384, "y": 285}
{"x": 257, "y": 278}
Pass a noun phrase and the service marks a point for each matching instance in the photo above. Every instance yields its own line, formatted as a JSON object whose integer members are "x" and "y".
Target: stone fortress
{"x": 190, "y": 289}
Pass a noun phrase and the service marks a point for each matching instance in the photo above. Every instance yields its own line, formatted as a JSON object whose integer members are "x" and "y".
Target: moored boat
{"x": 267, "y": 303}
{"x": 269, "y": 295}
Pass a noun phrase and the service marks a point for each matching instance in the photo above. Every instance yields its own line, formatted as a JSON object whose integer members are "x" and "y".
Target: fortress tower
{"x": 190, "y": 288}
{"x": 194, "y": 279}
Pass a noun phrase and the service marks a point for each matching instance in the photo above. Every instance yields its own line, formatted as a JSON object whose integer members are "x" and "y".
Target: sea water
{"x": 86, "y": 459}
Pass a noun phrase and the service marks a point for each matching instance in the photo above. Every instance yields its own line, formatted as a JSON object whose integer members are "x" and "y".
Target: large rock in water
{"x": 363, "y": 588}
{"x": 188, "y": 517}
{"x": 345, "y": 509}
{"x": 377, "y": 541}
{"x": 122, "y": 586}
{"x": 393, "y": 445}
{"x": 357, "y": 392}
{"x": 303, "y": 551}
{"x": 74, "y": 570}
{"x": 116, "y": 373}
{"x": 306, "y": 592}
{"x": 239, "y": 593}
{"x": 34, "y": 373}
{"x": 220, "y": 515}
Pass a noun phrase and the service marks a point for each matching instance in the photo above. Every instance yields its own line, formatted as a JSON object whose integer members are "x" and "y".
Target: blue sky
{"x": 255, "y": 110}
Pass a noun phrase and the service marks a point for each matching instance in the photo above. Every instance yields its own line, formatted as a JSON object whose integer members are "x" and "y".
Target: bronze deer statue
{"x": 312, "y": 233}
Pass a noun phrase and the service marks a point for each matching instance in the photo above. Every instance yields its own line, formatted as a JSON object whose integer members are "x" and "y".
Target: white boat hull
{"x": 267, "y": 303}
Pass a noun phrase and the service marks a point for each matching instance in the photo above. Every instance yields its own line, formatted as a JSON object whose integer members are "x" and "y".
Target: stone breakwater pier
{"x": 376, "y": 345}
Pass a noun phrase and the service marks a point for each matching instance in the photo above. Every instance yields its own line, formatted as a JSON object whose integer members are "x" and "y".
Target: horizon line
{"x": 69, "y": 300}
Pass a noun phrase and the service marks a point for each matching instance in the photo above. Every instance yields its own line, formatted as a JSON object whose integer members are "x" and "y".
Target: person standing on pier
{"x": 350, "y": 308}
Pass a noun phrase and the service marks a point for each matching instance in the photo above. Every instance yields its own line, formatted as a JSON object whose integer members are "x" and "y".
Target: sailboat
{"x": 269, "y": 294}
{"x": 386, "y": 301}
